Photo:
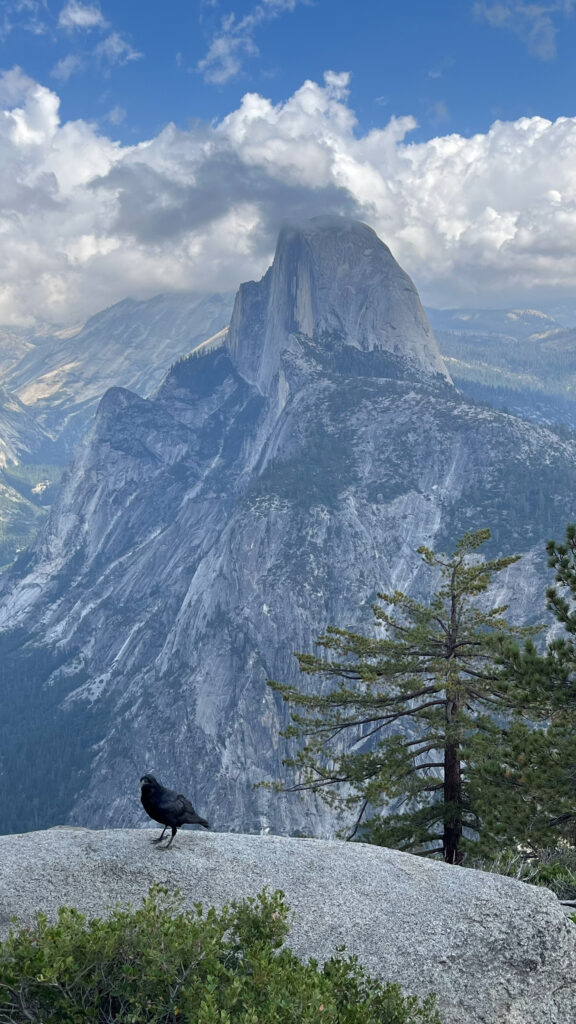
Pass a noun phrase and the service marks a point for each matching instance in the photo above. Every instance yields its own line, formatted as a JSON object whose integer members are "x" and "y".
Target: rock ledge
{"x": 494, "y": 950}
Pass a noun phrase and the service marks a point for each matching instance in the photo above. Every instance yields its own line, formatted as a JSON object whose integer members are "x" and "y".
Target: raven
{"x": 168, "y": 807}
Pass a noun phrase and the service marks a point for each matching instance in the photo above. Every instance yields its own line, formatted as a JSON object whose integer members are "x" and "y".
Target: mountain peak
{"x": 331, "y": 275}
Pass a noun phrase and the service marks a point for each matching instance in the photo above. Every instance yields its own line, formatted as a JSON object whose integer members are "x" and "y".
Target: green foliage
{"x": 329, "y": 351}
{"x": 164, "y": 964}
{"x": 556, "y": 412}
{"x": 417, "y": 734}
{"x": 546, "y": 685}
{"x": 329, "y": 461}
{"x": 527, "y": 496}
{"x": 543, "y": 366}
{"x": 554, "y": 868}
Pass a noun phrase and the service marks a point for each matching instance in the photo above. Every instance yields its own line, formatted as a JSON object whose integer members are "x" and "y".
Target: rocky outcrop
{"x": 495, "y": 951}
{"x": 204, "y": 534}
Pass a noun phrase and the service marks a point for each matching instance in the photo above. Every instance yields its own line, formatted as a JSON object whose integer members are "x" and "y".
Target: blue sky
{"x": 147, "y": 146}
{"x": 453, "y": 64}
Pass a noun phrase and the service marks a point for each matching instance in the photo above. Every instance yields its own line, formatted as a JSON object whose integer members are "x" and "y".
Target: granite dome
{"x": 331, "y": 276}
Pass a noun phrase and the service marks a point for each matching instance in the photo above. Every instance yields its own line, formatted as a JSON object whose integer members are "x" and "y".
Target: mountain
{"x": 132, "y": 344}
{"x": 17, "y": 342}
{"x": 20, "y": 434}
{"x": 330, "y": 279}
{"x": 24, "y": 489}
{"x": 515, "y": 324}
{"x": 54, "y": 381}
{"x": 522, "y": 360}
{"x": 272, "y": 485}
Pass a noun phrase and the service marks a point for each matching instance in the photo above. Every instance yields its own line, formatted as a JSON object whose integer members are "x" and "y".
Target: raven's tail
{"x": 195, "y": 819}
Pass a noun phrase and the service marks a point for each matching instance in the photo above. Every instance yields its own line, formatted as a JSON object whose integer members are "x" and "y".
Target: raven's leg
{"x": 174, "y": 830}
{"x": 162, "y": 836}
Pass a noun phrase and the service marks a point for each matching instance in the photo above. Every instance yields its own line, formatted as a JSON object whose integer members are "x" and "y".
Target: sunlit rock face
{"x": 272, "y": 486}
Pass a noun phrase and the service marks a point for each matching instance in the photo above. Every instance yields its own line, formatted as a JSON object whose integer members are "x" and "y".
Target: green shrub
{"x": 554, "y": 868}
{"x": 163, "y": 964}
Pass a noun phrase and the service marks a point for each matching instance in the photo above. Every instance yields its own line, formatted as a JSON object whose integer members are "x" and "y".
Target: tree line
{"x": 450, "y": 731}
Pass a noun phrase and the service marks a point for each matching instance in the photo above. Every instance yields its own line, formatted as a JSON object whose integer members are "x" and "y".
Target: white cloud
{"x": 111, "y": 50}
{"x": 67, "y": 66}
{"x": 235, "y": 40}
{"x": 84, "y": 221}
{"x": 534, "y": 23}
{"x": 116, "y": 116}
{"x": 76, "y": 15}
{"x": 114, "y": 49}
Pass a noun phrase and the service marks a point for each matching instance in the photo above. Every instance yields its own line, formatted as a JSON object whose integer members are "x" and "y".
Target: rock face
{"x": 330, "y": 278}
{"x": 20, "y": 434}
{"x": 495, "y": 951}
{"x": 203, "y": 535}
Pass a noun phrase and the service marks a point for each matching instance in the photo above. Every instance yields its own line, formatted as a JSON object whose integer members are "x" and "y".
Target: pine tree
{"x": 413, "y": 735}
{"x": 547, "y": 686}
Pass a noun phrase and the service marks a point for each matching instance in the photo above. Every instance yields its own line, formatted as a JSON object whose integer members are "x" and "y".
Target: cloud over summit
{"x": 86, "y": 221}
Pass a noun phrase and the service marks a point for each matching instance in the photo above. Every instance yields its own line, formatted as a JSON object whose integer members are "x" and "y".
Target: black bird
{"x": 168, "y": 807}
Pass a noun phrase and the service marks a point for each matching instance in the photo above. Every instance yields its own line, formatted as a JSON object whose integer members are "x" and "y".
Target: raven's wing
{"x": 185, "y": 804}
{"x": 172, "y": 808}
{"x": 190, "y": 815}
{"x": 165, "y": 805}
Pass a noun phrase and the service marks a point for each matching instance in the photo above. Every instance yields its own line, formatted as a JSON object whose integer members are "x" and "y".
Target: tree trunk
{"x": 451, "y": 840}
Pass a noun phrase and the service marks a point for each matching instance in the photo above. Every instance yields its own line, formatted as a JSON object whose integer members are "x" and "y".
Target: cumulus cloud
{"x": 533, "y": 23}
{"x": 235, "y": 40}
{"x": 86, "y": 221}
{"x": 76, "y": 15}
